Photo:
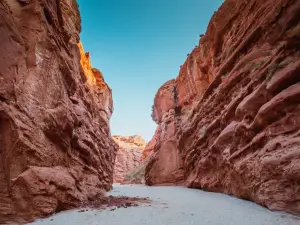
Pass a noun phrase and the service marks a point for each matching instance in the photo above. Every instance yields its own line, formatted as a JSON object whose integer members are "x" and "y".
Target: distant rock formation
{"x": 230, "y": 121}
{"x": 128, "y": 156}
{"x": 55, "y": 144}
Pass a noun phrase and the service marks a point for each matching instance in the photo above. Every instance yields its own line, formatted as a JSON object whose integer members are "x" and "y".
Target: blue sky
{"x": 139, "y": 45}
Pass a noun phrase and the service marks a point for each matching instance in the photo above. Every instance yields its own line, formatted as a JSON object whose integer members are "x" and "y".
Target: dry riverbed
{"x": 169, "y": 206}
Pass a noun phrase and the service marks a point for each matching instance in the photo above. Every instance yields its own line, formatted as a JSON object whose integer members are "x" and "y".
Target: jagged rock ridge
{"x": 55, "y": 144}
{"x": 230, "y": 121}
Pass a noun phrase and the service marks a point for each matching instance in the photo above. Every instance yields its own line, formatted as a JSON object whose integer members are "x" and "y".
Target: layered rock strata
{"x": 55, "y": 144}
{"x": 230, "y": 121}
{"x": 128, "y": 156}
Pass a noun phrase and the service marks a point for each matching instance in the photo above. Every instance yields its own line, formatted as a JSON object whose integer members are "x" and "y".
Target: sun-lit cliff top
{"x": 131, "y": 142}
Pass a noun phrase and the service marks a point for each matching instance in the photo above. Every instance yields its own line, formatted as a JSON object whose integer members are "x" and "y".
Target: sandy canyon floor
{"x": 174, "y": 205}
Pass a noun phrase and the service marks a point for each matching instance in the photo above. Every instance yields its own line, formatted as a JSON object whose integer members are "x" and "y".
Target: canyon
{"x": 230, "y": 121}
{"x": 55, "y": 144}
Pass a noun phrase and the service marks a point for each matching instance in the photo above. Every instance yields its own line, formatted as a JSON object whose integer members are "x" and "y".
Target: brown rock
{"x": 148, "y": 150}
{"x": 165, "y": 166}
{"x": 55, "y": 144}
{"x": 128, "y": 157}
{"x": 233, "y": 124}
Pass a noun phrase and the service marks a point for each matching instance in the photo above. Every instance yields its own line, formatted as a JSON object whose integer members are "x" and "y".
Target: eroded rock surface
{"x": 230, "y": 121}
{"x": 128, "y": 156}
{"x": 55, "y": 144}
{"x": 165, "y": 166}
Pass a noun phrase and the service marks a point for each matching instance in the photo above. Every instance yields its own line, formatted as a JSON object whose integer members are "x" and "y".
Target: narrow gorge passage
{"x": 225, "y": 118}
{"x": 174, "y": 206}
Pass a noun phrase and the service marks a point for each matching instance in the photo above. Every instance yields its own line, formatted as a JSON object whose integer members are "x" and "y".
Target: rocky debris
{"x": 230, "y": 121}
{"x": 128, "y": 156}
{"x": 113, "y": 202}
{"x": 55, "y": 144}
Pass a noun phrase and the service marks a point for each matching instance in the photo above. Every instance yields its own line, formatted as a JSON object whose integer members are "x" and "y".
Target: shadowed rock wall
{"x": 55, "y": 144}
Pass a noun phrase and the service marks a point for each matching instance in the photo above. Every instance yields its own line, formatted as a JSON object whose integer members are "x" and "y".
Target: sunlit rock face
{"x": 128, "y": 157}
{"x": 230, "y": 121}
{"x": 95, "y": 79}
{"x": 55, "y": 144}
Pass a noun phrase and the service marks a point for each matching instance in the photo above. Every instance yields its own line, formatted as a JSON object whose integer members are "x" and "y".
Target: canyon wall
{"x": 55, "y": 143}
{"x": 230, "y": 121}
{"x": 128, "y": 156}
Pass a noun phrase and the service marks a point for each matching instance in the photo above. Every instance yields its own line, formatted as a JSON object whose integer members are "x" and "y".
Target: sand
{"x": 172, "y": 206}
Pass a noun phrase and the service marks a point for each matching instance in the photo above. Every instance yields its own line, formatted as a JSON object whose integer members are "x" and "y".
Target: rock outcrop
{"x": 128, "y": 156}
{"x": 165, "y": 167}
{"x": 230, "y": 121}
{"x": 55, "y": 144}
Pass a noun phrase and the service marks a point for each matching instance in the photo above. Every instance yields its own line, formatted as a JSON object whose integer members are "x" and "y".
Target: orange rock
{"x": 230, "y": 121}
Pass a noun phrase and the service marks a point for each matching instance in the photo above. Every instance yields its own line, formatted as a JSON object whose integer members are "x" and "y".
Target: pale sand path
{"x": 175, "y": 206}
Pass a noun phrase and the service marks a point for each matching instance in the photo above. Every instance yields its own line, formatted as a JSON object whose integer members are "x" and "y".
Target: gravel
{"x": 174, "y": 205}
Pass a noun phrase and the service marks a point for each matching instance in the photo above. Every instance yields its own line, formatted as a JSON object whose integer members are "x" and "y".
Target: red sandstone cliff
{"x": 230, "y": 121}
{"x": 55, "y": 144}
{"x": 128, "y": 156}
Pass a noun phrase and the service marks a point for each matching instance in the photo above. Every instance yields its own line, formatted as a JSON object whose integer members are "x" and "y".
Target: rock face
{"x": 128, "y": 157}
{"x": 165, "y": 168}
{"x": 55, "y": 144}
{"x": 230, "y": 121}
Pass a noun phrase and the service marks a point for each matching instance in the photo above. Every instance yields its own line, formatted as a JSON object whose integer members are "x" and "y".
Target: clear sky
{"x": 139, "y": 45}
